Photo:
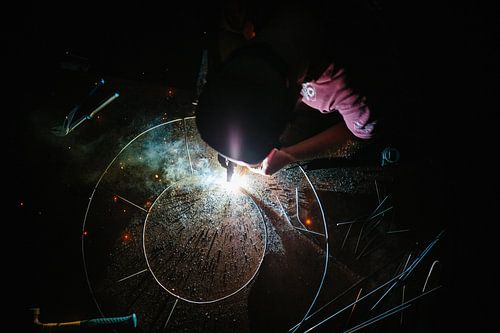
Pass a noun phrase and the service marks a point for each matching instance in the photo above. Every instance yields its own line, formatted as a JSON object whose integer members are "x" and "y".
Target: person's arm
{"x": 317, "y": 146}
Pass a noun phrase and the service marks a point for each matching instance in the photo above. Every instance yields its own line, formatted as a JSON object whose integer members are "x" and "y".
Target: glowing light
{"x": 85, "y": 233}
{"x": 308, "y": 221}
{"x": 21, "y": 204}
{"x": 115, "y": 198}
{"x": 124, "y": 210}
{"x": 237, "y": 182}
{"x": 126, "y": 237}
{"x": 156, "y": 176}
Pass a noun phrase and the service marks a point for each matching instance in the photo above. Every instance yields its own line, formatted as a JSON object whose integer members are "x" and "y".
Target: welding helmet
{"x": 245, "y": 105}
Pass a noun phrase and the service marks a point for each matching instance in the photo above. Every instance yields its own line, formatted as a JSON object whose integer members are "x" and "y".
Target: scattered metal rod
{"x": 422, "y": 255}
{"x": 284, "y": 212}
{"x": 365, "y": 218}
{"x": 382, "y": 212}
{"x": 388, "y": 313}
{"x": 310, "y": 231}
{"x": 397, "y": 231}
{"x": 359, "y": 300}
{"x": 429, "y": 274}
{"x": 132, "y": 275}
{"x": 187, "y": 146}
{"x": 345, "y": 292}
{"x": 170, "y": 314}
{"x": 359, "y": 237}
{"x": 130, "y": 202}
{"x": 347, "y": 234}
{"x": 297, "y": 207}
{"x": 376, "y": 189}
{"x": 414, "y": 264}
{"x": 353, "y": 307}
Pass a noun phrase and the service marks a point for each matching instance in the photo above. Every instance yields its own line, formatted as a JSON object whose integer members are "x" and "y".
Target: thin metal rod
{"x": 132, "y": 275}
{"x": 310, "y": 231}
{"x": 297, "y": 207}
{"x": 345, "y": 292}
{"x": 283, "y": 210}
{"x": 422, "y": 255}
{"x": 382, "y": 212}
{"x": 376, "y": 189}
{"x": 170, "y": 314}
{"x": 353, "y": 307}
{"x": 388, "y": 313}
{"x": 359, "y": 237}
{"x": 397, "y": 231}
{"x": 429, "y": 274}
{"x": 130, "y": 202}
{"x": 346, "y": 234}
{"x": 368, "y": 217}
{"x": 187, "y": 146}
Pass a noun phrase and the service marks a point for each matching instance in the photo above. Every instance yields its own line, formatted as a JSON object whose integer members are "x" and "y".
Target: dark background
{"x": 446, "y": 59}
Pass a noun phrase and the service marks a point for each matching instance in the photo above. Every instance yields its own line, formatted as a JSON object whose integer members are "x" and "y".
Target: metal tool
{"x": 82, "y": 325}
{"x": 228, "y": 165}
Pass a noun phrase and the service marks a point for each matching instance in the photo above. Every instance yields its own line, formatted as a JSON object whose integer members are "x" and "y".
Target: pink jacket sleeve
{"x": 330, "y": 93}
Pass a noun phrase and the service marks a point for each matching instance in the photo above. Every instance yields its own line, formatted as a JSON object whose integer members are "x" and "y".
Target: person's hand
{"x": 275, "y": 160}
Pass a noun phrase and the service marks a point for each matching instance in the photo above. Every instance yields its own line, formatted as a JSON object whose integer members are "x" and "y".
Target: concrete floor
{"x": 60, "y": 172}
{"x": 50, "y": 179}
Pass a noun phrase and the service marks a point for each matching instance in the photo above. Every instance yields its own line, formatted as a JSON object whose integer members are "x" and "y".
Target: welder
{"x": 247, "y": 102}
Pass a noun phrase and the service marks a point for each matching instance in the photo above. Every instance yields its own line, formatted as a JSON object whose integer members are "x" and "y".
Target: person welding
{"x": 247, "y": 103}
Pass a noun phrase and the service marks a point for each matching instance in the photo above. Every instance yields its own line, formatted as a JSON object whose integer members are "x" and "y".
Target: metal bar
{"x": 297, "y": 207}
{"x": 353, "y": 307}
{"x": 187, "y": 146}
{"x": 429, "y": 274}
{"x": 347, "y": 234}
{"x": 312, "y": 232}
{"x": 133, "y": 204}
{"x": 132, "y": 275}
{"x": 284, "y": 212}
{"x": 397, "y": 231}
{"x": 170, "y": 314}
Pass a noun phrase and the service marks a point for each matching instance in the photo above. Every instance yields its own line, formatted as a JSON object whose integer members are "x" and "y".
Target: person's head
{"x": 245, "y": 106}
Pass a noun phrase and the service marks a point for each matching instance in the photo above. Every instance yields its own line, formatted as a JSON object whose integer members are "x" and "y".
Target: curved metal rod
{"x": 220, "y": 298}
{"x": 92, "y": 196}
{"x": 325, "y": 269}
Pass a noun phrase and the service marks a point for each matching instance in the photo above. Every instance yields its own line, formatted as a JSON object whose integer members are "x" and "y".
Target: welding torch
{"x": 84, "y": 325}
{"x": 226, "y": 164}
